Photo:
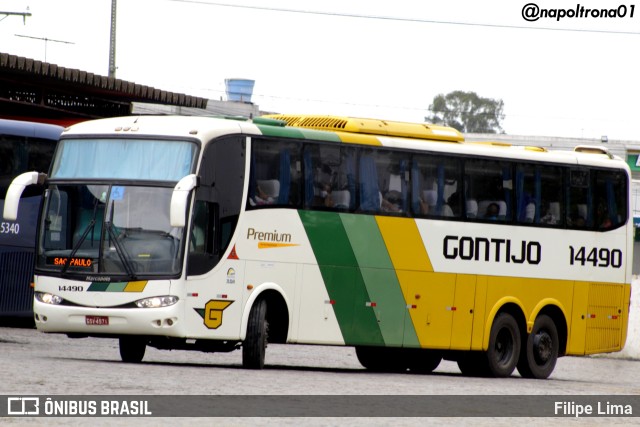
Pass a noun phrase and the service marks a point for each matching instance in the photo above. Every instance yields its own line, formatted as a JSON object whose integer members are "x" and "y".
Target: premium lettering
{"x": 270, "y": 236}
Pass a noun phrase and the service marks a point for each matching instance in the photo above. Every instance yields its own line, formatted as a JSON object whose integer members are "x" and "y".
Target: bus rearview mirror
{"x": 19, "y": 183}
{"x": 179, "y": 199}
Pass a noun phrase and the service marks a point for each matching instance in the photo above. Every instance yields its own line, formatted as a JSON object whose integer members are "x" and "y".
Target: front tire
{"x": 254, "y": 346}
{"x": 473, "y": 364}
{"x": 382, "y": 359}
{"x": 423, "y": 361}
{"x": 132, "y": 349}
{"x": 541, "y": 352}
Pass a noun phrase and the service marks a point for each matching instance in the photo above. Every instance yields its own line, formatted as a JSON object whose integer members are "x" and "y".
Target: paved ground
{"x": 36, "y": 363}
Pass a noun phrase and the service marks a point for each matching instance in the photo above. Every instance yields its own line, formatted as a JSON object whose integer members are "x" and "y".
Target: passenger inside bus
{"x": 492, "y": 211}
{"x": 267, "y": 192}
{"x": 602, "y": 216}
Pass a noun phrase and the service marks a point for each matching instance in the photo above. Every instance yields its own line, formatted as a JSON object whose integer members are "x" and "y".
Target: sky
{"x": 569, "y": 77}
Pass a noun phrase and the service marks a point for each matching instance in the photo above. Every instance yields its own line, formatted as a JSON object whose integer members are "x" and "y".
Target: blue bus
{"x": 24, "y": 146}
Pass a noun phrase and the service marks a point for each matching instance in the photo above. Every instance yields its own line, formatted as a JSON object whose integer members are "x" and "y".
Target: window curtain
{"x": 285, "y": 177}
{"x": 369, "y": 190}
{"x": 415, "y": 188}
{"x": 441, "y": 184}
{"x": 351, "y": 176}
{"x": 308, "y": 177}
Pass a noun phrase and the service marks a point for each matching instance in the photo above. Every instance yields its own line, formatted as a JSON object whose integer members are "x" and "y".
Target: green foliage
{"x": 467, "y": 112}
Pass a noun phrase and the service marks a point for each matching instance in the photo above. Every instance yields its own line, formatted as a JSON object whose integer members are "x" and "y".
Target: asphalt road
{"x": 34, "y": 363}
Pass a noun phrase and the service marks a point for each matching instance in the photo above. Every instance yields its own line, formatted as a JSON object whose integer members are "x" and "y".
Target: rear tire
{"x": 132, "y": 349}
{"x": 504, "y": 346}
{"x": 540, "y": 354}
{"x": 254, "y": 346}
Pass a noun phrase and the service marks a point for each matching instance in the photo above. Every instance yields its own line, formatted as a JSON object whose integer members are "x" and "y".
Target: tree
{"x": 467, "y": 112}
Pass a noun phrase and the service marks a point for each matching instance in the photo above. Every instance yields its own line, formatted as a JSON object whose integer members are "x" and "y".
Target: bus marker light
{"x": 330, "y": 301}
{"x": 452, "y": 308}
{"x": 192, "y": 294}
{"x": 614, "y": 317}
{"x": 410, "y": 306}
{"x": 249, "y": 287}
{"x": 371, "y": 304}
{"x": 223, "y": 296}
{"x": 233, "y": 254}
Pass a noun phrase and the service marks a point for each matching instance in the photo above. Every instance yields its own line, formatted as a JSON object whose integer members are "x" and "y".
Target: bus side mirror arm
{"x": 179, "y": 199}
{"x": 19, "y": 183}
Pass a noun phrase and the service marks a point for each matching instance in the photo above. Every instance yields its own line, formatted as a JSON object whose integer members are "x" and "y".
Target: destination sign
{"x": 73, "y": 262}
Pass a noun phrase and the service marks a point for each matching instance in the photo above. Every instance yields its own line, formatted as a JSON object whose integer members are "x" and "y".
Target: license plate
{"x": 96, "y": 320}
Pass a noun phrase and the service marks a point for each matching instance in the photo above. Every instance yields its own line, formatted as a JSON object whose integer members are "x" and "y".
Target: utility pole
{"x": 112, "y": 41}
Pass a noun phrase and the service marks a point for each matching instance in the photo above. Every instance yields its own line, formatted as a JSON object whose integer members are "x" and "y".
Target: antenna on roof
{"x": 23, "y": 14}
{"x": 46, "y": 40}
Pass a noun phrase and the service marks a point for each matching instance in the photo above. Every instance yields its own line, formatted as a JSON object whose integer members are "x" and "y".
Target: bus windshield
{"x": 161, "y": 160}
{"x": 108, "y": 229}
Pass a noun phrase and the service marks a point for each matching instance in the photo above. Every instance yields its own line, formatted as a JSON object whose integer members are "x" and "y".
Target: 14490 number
{"x": 597, "y": 257}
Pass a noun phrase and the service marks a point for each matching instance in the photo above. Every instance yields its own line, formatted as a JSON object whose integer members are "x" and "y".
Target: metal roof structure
{"x": 40, "y": 91}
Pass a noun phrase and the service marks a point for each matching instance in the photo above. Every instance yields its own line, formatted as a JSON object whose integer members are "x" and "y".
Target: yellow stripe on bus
{"x": 137, "y": 286}
{"x": 406, "y": 250}
{"x": 404, "y": 243}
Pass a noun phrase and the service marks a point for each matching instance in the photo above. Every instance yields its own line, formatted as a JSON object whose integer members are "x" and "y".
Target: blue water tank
{"x": 239, "y": 89}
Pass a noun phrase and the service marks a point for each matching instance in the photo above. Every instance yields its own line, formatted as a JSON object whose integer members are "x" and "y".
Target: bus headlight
{"x": 48, "y": 298}
{"x": 155, "y": 302}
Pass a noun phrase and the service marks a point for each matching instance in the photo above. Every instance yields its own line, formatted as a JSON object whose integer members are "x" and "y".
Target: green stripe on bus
{"x": 342, "y": 277}
{"x": 381, "y": 281}
{"x": 107, "y": 287}
{"x": 298, "y": 133}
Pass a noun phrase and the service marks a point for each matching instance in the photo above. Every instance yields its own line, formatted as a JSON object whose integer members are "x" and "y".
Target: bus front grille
{"x": 16, "y": 275}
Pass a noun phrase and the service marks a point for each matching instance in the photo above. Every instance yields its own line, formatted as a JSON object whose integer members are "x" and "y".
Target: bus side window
{"x": 610, "y": 208}
{"x": 435, "y": 189}
{"x": 579, "y": 199}
{"x": 276, "y": 173}
{"x": 491, "y": 184}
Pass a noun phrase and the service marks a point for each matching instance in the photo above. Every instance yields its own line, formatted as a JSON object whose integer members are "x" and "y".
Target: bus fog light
{"x": 48, "y": 298}
{"x": 155, "y": 302}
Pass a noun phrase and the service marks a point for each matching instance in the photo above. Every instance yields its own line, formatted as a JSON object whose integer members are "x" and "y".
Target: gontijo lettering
{"x": 498, "y": 250}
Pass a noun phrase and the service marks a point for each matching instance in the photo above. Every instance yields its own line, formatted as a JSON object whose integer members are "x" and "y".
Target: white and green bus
{"x": 401, "y": 240}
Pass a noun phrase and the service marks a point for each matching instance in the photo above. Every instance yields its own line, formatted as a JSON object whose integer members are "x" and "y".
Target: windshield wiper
{"x": 122, "y": 253}
{"x": 80, "y": 241}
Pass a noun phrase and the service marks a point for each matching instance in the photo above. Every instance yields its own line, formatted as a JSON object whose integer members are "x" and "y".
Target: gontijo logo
{"x": 270, "y": 239}
{"x": 532, "y": 12}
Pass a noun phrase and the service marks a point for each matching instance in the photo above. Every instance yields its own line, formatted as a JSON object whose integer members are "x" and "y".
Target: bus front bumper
{"x": 162, "y": 321}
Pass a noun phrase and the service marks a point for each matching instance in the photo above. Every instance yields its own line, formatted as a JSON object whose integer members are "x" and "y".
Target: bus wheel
{"x": 424, "y": 361}
{"x": 473, "y": 364}
{"x": 132, "y": 349}
{"x": 504, "y": 346}
{"x": 382, "y": 359}
{"x": 254, "y": 346}
{"x": 541, "y": 352}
